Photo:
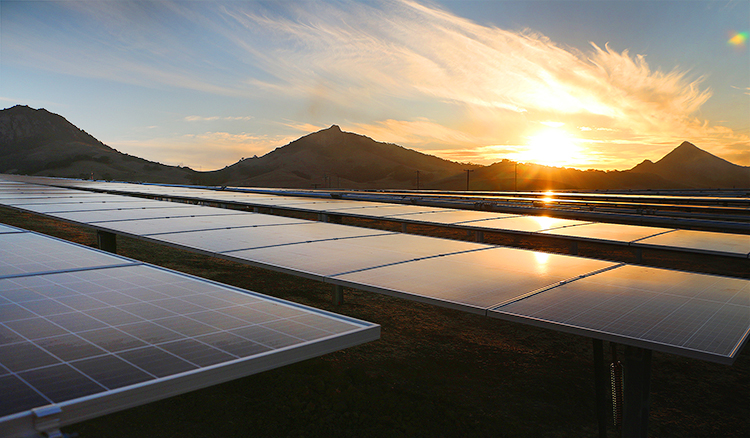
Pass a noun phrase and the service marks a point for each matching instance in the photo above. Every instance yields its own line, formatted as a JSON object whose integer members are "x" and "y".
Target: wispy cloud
{"x": 398, "y": 70}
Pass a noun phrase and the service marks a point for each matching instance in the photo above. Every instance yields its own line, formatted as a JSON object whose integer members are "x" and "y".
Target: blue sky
{"x": 587, "y": 84}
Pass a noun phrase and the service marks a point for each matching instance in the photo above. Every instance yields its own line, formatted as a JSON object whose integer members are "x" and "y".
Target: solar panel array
{"x": 495, "y": 281}
{"x": 643, "y": 237}
{"x": 90, "y": 333}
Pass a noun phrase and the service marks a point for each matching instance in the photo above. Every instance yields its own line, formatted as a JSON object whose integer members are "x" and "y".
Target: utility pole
{"x": 467, "y": 177}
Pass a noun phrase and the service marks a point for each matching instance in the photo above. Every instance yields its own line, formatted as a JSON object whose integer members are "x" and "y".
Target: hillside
{"x": 337, "y": 159}
{"x": 696, "y": 168}
{"x": 38, "y": 142}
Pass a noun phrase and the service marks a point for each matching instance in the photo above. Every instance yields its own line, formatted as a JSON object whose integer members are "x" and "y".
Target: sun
{"x": 552, "y": 147}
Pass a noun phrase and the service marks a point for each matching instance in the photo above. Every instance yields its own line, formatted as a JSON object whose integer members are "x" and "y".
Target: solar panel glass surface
{"x": 610, "y": 232}
{"x": 196, "y": 223}
{"x": 166, "y": 211}
{"x": 28, "y": 253}
{"x": 697, "y": 315}
{"x": 475, "y": 280}
{"x": 711, "y": 242}
{"x": 246, "y": 238}
{"x": 527, "y": 224}
{"x": 331, "y": 257}
{"x": 450, "y": 217}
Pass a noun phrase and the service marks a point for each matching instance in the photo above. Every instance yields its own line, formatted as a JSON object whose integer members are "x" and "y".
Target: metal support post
{"x": 403, "y": 227}
{"x": 322, "y": 217}
{"x": 574, "y": 247}
{"x": 636, "y": 392}
{"x": 338, "y": 295}
{"x": 638, "y": 255}
{"x": 107, "y": 241}
{"x": 600, "y": 385}
{"x": 479, "y": 236}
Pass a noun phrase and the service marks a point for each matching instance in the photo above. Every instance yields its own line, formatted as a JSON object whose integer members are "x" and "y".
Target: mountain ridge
{"x": 38, "y": 142}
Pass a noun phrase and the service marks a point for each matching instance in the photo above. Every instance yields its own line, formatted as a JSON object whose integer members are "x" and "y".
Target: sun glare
{"x": 552, "y": 147}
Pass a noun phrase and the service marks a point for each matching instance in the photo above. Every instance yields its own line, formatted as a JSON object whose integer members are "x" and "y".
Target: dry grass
{"x": 435, "y": 373}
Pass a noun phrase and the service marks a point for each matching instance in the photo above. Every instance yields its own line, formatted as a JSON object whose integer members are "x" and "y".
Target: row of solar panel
{"x": 696, "y": 315}
{"x": 90, "y": 332}
{"x": 645, "y": 237}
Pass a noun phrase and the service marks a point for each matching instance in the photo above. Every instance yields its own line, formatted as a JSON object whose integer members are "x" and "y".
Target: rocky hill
{"x": 696, "y": 168}
{"x": 37, "y": 142}
{"x": 336, "y": 159}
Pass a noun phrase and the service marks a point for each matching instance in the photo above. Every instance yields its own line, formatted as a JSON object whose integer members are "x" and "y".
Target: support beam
{"x": 403, "y": 227}
{"x": 338, "y": 295}
{"x": 600, "y": 385}
{"x": 107, "y": 241}
{"x": 636, "y": 392}
{"x": 479, "y": 236}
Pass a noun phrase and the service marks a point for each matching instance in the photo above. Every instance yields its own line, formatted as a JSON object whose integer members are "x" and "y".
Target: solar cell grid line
{"x": 86, "y": 343}
{"x": 702, "y": 316}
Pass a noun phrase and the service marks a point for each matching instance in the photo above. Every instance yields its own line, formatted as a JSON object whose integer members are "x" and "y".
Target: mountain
{"x": 38, "y": 142}
{"x": 334, "y": 158}
{"x": 696, "y": 168}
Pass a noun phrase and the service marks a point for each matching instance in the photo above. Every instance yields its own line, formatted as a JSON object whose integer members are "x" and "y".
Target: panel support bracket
{"x": 338, "y": 295}
{"x": 107, "y": 241}
{"x": 636, "y": 392}
{"x": 47, "y": 420}
{"x": 600, "y": 385}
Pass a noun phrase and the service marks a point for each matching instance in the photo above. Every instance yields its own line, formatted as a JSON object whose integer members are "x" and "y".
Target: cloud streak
{"x": 398, "y": 70}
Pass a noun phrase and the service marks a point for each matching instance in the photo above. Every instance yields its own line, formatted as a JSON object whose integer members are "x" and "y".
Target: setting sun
{"x": 552, "y": 147}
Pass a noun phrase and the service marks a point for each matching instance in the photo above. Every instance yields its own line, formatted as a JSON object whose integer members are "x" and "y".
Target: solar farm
{"x": 556, "y": 309}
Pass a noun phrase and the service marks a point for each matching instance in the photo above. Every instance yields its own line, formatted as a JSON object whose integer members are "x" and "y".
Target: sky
{"x": 585, "y": 84}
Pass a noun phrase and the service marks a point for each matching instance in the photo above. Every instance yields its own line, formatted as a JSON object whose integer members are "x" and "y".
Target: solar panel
{"x": 527, "y": 224}
{"x": 95, "y": 341}
{"x": 221, "y": 241}
{"x": 473, "y": 281}
{"x": 696, "y": 315}
{"x": 332, "y": 257}
{"x": 198, "y": 223}
{"x": 703, "y": 241}
{"x": 67, "y": 199}
{"x": 166, "y": 211}
{"x": 28, "y": 253}
{"x": 609, "y": 232}
{"x": 451, "y": 217}
{"x": 97, "y": 206}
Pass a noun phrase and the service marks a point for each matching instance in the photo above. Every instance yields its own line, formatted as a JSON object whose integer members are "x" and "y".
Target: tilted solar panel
{"x": 473, "y": 281}
{"x": 695, "y": 315}
{"x": 703, "y": 241}
{"x": 86, "y": 342}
